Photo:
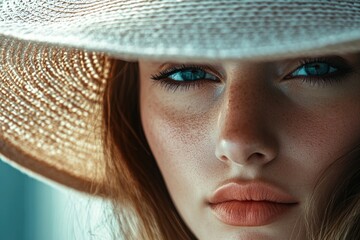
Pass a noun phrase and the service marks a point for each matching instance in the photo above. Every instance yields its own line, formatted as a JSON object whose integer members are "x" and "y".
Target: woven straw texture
{"x": 50, "y": 103}
{"x": 221, "y": 29}
{"x": 55, "y": 59}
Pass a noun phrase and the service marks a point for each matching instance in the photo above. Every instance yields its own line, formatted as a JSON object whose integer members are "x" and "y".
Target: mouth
{"x": 253, "y": 204}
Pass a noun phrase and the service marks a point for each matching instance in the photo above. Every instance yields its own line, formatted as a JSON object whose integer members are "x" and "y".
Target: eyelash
{"x": 320, "y": 81}
{"x": 162, "y": 77}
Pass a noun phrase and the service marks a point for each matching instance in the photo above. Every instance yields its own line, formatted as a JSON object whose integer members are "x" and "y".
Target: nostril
{"x": 223, "y": 158}
{"x": 257, "y": 155}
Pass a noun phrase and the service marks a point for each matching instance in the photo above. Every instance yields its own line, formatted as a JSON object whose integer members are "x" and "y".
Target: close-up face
{"x": 241, "y": 144}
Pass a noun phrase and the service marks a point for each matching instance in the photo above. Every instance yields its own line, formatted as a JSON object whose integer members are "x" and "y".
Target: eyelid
{"x": 338, "y": 62}
{"x": 169, "y": 68}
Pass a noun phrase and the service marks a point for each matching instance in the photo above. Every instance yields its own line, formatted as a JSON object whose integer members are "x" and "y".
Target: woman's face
{"x": 241, "y": 144}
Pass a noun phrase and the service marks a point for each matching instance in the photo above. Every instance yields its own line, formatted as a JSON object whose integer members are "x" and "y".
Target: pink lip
{"x": 250, "y": 204}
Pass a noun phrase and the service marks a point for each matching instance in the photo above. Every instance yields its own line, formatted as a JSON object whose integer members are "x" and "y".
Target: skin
{"x": 253, "y": 124}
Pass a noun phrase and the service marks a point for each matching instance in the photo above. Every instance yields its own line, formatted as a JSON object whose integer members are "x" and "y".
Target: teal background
{"x": 32, "y": 210}
{"x": 20, "y": 216}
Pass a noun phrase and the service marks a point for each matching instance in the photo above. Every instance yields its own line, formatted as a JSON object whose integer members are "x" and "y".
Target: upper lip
{"x": 251, "y": 191}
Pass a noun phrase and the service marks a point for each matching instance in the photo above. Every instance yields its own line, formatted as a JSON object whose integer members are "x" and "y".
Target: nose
{"x": 244, "y": 133}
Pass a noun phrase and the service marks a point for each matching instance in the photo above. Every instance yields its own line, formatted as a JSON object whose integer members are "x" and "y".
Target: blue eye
{"x": 315, "y": 69}
{"x": 186, "y": 75}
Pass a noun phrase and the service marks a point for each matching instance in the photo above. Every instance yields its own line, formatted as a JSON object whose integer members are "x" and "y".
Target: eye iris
{"x": 192, "y": 74}
{"x": 317, "y": 68}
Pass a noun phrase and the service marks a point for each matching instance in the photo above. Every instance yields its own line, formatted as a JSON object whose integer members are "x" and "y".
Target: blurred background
{"x": 32, "y": 210}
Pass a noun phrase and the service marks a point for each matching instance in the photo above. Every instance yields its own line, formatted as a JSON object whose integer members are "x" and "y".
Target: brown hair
{"x": 142, "y": 204}
{"x": 339, "y": 217}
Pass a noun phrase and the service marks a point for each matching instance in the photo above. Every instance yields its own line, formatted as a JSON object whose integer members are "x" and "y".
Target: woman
{"x": 219, "y": 124}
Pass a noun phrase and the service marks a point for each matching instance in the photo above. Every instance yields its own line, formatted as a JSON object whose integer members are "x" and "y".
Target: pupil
{"x": 193, "y": 74}
{"x": 317, "y": 69}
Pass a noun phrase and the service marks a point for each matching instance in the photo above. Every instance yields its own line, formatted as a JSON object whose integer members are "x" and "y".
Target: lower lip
{"x": 250, "y": 213}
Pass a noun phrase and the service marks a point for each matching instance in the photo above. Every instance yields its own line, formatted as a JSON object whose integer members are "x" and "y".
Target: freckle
{"x": 188, "y": 128}
{"x": 181, "y": 129}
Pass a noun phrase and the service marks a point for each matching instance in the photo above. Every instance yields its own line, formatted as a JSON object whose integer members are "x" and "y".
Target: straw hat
{"x": 56, "y": 56}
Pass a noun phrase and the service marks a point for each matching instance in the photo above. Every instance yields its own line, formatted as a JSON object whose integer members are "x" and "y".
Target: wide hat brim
{"x": 50, "y": 112}
{"x": 56, "y": 59}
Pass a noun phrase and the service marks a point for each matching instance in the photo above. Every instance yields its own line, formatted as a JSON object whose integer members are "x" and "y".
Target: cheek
{"x": 181, "y": 145}
{"x": 181, "y": 141}
{"x": 324, "y": 125}
{"x": 312, "y": 139}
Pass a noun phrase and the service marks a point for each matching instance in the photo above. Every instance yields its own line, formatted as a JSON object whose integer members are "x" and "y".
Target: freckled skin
{"x": 249, "y": 126}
